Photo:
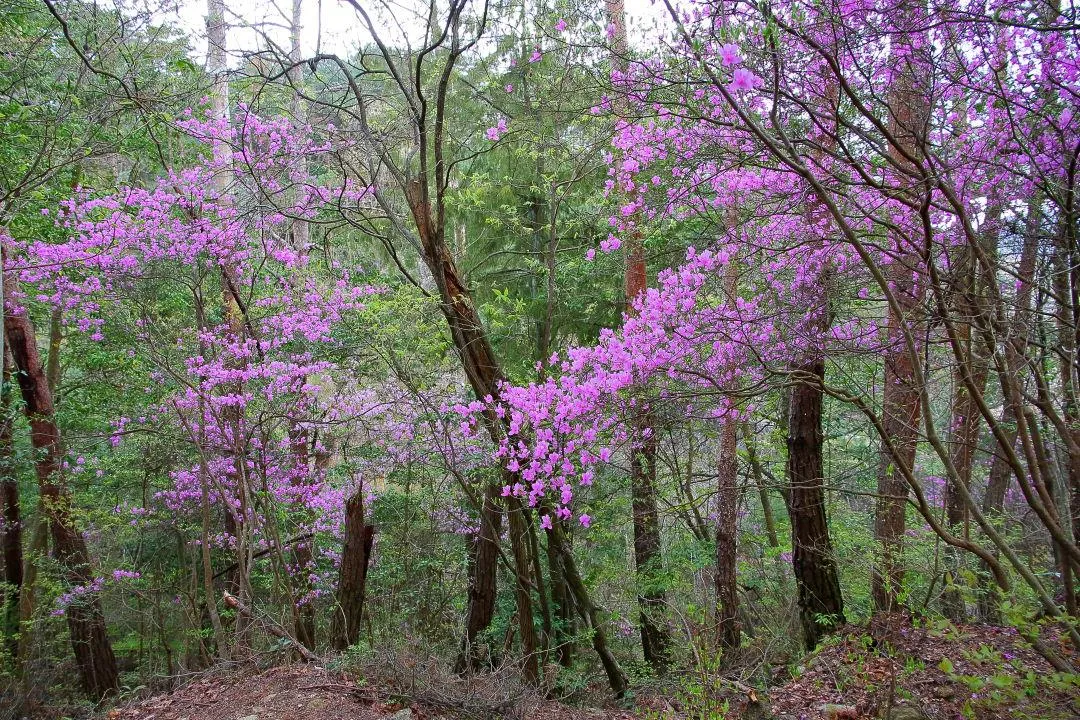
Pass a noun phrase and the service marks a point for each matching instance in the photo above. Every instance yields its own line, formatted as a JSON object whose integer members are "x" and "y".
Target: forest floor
{"x": 886, "y": 670}
{"x": 895, "y": 670}
{"x": 309, "y": 692}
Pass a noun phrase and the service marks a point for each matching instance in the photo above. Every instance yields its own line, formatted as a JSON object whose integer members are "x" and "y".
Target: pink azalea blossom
{"x": 497, "y": 131}
{"x": 743, "y": 79}
{"x": 729, "y": 54}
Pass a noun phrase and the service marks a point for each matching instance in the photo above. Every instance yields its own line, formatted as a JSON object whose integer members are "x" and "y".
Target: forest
{"x": 667, "y": 360}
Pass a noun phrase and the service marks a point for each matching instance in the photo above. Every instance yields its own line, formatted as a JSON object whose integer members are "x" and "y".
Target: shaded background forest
{"x": 514, "y": 341}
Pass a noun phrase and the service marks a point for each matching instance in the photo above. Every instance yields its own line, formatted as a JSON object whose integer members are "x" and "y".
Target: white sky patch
{"x": 334, "y": 26}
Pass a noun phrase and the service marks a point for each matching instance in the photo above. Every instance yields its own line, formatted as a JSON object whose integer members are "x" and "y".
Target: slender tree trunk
{"x": 216, "y": 68}
{"x": 1065, "y": 322}
{"x": 901, "y": 405}
{"x": 563, "y": 606}
{"x": 1011, "y": 380}
{"x": 39, "y": 548}
{"x": 301, "y": 229}
{"x": 537, "y": 565}
{"x": 727, "y": 501}
{"x": 424, "y": 193}
{"x": 352, "y": 576}
{"x": 762, "y": 488}
{"x": 303, "y": 609}
{"x": 519, "y": 546}
{"x": 86, "y": 623}
{"x": 966, "y": 421}
{"x": 997, "y": 484}
{"x": 1047, "y": 487}
{"x": 485, "y": 376}
{"x": 821, "y": 603}
{"x": 209, "y": 593}
{"x": 231, "y": 424}
{"x": 901, "y": 409}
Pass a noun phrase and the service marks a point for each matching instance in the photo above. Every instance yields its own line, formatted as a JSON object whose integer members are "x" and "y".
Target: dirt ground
{"x": 308, "y": 692}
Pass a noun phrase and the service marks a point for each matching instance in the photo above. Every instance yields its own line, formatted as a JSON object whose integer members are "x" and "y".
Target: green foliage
{"x": 702, "y": 691}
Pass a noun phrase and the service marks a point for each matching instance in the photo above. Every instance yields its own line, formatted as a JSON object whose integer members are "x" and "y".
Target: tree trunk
{"x": 303, "y": 609}
{"x": 304, "y": 613}
{"x": 648, "y": 561}
{"x": 231, "y": 425}
{"x": 1065, "y": 324}
{"x": 424, "y": 192}
{"x": 519, "y": 546}
{"x": 1048, "y": 488}
{"x": 647, "y": 558}
{"x": 727, "y": 502}
{"x": 993, "y": 502}
{"x": 483, "y": 588}
{"x": 762, "y": 488}
{"x": 901, "y": 409}
{"x": 86, "y": 623}
{"x": 821, "y": 604}
{"x": 536, "y": 563}
{"x": 1015, "y": 351}
{"x": 39, "y": 548}
{"x": 485, "y": 376}
{"x": 966, "y": 421}
{"x": 727, "y": 590}
{"x": 901, "y": 405}
{"x": 589, "y": 611}
{"x": 563, "y": 606}
{"x": 352, "y": 577}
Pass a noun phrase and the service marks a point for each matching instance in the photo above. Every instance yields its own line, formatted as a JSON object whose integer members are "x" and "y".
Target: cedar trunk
{"x": 821, "y": 605}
